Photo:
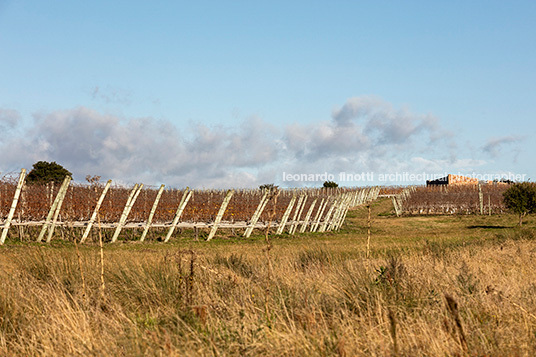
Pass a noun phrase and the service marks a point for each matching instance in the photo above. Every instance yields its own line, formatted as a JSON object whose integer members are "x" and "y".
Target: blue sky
{"x": 219, "y": 94}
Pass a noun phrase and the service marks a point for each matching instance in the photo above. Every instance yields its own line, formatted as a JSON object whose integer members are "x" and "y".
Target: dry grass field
{"x": 432, "y": 286}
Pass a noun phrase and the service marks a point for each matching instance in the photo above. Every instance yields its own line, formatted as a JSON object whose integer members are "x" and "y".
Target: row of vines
{"x": 456, "y": 199}
{"x": 80, "y": 201}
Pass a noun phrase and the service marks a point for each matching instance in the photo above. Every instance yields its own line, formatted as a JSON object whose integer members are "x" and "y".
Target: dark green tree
{"x": 268, "y": 187}
{"x": 520, "y": 198}
{"x": 45, "y": 172}
{"x": 331, "y": 184}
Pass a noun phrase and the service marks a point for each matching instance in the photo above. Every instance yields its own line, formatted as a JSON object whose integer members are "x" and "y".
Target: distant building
{"x": 452, "y": 180}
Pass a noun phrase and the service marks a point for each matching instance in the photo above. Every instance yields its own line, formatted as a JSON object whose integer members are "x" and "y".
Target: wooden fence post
{"x": 51, "y": 213}
{"x": 184, "y": 201}
{"x": 481, "y": 199}
{"x": 337, "y": 212}
{"x": 395, "y": 205}
{"x": 126, "y": 211}
{"x": 368, "y": 231}
{"x": 7, "y": 223}
{"x": 295, "y": 224}
{"x": 151, "y": 214}
{"x": 286, "y": 215}
{"x": 61, "y": 194}
{"x": 308, "y": 216}
{"x": 342, "y": 214}
{"x": 298, "y": 205}
{"x": 319, "y": 214}
{"x": 327, "y": 217}
{"x": 95, "y": 212}
{"x": 256, "y": 215}
{"x": 220, "y": 214}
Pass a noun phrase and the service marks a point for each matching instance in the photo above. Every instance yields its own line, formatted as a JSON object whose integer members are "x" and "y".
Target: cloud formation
{"x": 111, "y": 95}
{"x": 9, "y": 119}
{"x": 494, "y": 145}
{"x": 364, "y": 134}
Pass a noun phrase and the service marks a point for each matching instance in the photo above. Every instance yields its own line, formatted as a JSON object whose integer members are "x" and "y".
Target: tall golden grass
{"x": 318, "y": 295}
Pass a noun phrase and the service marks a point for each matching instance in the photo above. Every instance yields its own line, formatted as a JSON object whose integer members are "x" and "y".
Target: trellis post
{"x": 308, "y": 216}
{"x": 220, "y": 214}
{"x": 336, "y": 213}
{"x": 126, "y": 211}
{"x": 182, "y": 204}
{"x": 298, "y": 205}
{"x": 319, "y": 212}
{"x": 61, "y": 194}
{"x": 481, "y": 199}
{"x": 151, "y": 214}
{"x": 286, "y": 215}
{"x": 7, "y": 223}
{"x": 395, "y": 205}
{"x": 342, "y": 215}
{"x": 51, "y": 213}
{"x": 256, "y": 215}
{"x": 294, "y": 225}
{"x": 95, "y": 212}
{"x": 327, "y": 217}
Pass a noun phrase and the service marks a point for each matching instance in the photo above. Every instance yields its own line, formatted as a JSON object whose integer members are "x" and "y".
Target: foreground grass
{"x": 305, "y": 295}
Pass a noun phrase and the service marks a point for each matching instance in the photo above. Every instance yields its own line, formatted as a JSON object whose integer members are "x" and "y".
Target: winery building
{"x": 452, "y": 180}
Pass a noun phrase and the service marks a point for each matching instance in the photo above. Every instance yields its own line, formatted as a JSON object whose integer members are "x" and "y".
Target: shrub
{"x": 521, "y": 199}
{"x": 331, "y": 184}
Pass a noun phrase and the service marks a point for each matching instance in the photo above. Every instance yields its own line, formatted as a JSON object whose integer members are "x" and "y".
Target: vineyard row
{"x": 83, "y": 206}
{"x": 455, "y": 199}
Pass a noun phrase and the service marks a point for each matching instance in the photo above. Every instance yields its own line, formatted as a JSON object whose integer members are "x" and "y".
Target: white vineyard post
{"x": 481, "y": 199}
{"x": 316, "y": 221}
{"x": 286, "y": 215}
{"x": 128, "y": 206}
{"x": 308, "y": 216}
{"x": 400, "y": 200}
{"x": 184, "y": 201}
{"x": 7, "y": 223}
{"x": 335, "y": 217}
{"x": 328, "y": 215}
{"x": 340, "y": 212}
{"x": 294, "y": 217}
{"x": 362, "y": 196}
{"x": 336, "y": 212}
{"x": 256, "y": 215}
{"x": 217, "y": 221}
{"x": 367, "y": 194}
{"x": 358, "y": 198}
{"x": 95, "y": 211}
{"x": 151, "y": 214}
{"x": 343, "y": 214}
{"x": 61, "y": 193}
{"x": 296, "y": 222}
{"x": 353, "y": 199}
{"x": 395, "y": 205}
{"x": 50, "y": 213}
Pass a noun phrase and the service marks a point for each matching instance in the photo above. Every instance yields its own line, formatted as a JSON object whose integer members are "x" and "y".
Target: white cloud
{"x": 365, "y": 134}
{"x": 111, "y": 95}
{"x": 9, "y": 118}
{"x": 494, "y": 145}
